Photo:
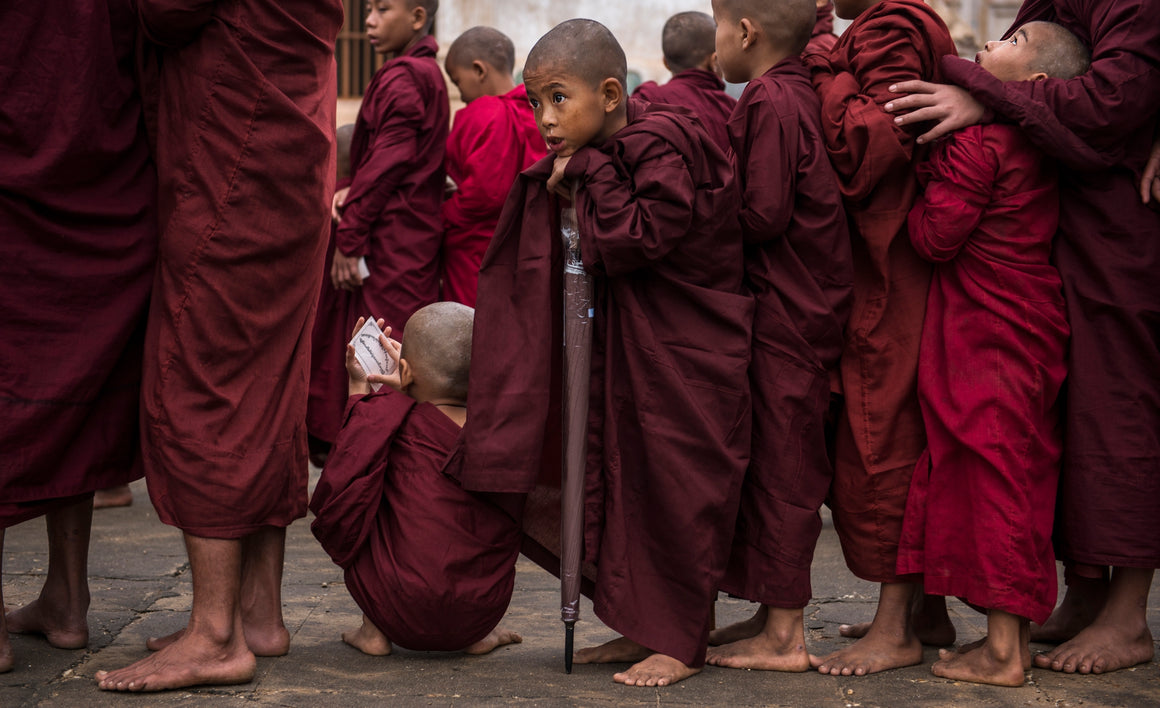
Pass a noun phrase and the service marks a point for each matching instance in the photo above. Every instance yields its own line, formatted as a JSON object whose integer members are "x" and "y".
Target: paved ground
{"x": 140, "y": 587}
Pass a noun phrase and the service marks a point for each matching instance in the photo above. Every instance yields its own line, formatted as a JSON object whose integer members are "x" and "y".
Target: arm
{"x": 768, "y": 174}
{"x": 172, "y": 23}
{"x": 959, "y": 178}
{"x": 483, "y": 154}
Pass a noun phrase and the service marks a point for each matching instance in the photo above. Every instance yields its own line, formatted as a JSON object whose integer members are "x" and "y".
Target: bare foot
{"x": 192, "y": 660}
{"x": 368, "y": 639}
{"x": 656, "y": 670}
{"x": 1024, "y": 651}
{"x": 877, "y": 651}
{"x": 270, "y": 641}
{"x": 120, "y": 495}
{"x": 1081, "y": 605}
{"x": 63, "y": 629}
{"x": 980, "y": 665}
{"x": 744, "y": 629}
{"x": 763, "y": 652}
{"x": 928, "y": 618}
{"x": 620, "y": 650}
{"x": 1100, "y": 648}
{"x": 499, "y": 637}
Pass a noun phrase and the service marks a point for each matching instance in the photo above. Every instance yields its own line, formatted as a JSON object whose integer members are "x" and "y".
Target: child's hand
{"x": 395, "y": 378}
{"x": 557, "y": 182}
{"x": 1150, "y": 183}
{"x": 336, "y": 204}
{"x": 344, "y": 273}
{"x": 358, "y": 383}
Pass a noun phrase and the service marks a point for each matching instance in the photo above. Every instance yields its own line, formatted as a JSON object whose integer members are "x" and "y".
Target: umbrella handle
{"x": 569, "y": 642}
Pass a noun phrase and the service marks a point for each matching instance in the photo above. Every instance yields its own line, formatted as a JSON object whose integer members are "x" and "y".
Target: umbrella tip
{"x": 569, "y": 638}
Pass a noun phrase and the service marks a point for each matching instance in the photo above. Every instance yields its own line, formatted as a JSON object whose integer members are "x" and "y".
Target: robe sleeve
{"x": 484, "y": 155}
{"x": 173, "y": 23}
{"x": 768, "y": 172}
{"x": 347, "y": 497}
{"x": 395, "y": 146}
{"x": 960, "y": 178}
{"x": 1082, "y": 121}
{"x": 636, "y": 215}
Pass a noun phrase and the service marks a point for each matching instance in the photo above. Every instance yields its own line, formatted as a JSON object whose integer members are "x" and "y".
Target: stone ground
{"x": 141, "y": 587}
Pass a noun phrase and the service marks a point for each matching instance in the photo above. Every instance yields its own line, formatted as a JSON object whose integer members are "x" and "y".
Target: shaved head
{"x": 485, "y": 44}
{"x": 582, "y": 48}
{"x": 787, "y": 23}
{"x": 437, "y": 345}
{"x": 688, "y": 40}
{"x": 1058, "y": 52}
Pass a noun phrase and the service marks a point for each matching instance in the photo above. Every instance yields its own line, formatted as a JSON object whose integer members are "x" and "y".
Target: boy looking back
{"x": 669, "y": 412}
{"x": 798, "y": 267}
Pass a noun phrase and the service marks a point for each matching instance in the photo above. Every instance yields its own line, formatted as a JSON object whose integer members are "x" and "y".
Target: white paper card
{"x": 370, "y": 353}
{"x": 364, "y": 271}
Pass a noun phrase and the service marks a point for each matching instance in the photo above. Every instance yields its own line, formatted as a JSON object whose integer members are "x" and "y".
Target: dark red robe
{"x": 78, "y": 243}
{"x": 991, "y": 369}
{"x": 823, "y": 40}
{"x": 669, "y": 415}
{"x": 494, "y": 138}
{"x": 433, "y": 566}
{"x": 699, "y": 91}
{"x": 880, "y": 437}
{"x": 392, "y": 212}
{"x": 1101, "y": 124}
{"x": 798, "y": 267}
{"x": 244, "y": 95}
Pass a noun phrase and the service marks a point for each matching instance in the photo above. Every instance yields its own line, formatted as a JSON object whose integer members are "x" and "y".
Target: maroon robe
{"x": 1101, "y": 124}
{"x": 433, "y": 566}
{"x": 880, "y": 437}
{"x": 798, "y": 267}
{"x": 78, "y": 242}
{"x": 991, "y": 368}
{"x": 392, "y": 212}
{"x": 823, "y": 40}
{"x": 699, "y": 91}
{"x": 669, "y": 415}
{"x": 244, "y": 94}
{"x": 494, "y": 139}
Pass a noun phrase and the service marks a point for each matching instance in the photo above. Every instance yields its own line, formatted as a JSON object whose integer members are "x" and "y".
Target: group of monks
{"x": 909, "y": 286}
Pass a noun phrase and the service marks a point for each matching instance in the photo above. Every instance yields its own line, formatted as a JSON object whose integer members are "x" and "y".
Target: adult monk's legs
{"x": 61, "y": 611}
{"x": 890, "y": 642}
{"x": 1118, "y": 637}
{"x": 212, "y": 649}
{"x": 779, "y": 646}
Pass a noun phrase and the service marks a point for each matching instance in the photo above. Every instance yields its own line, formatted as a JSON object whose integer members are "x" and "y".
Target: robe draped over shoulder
{"x": 702, "y": 93}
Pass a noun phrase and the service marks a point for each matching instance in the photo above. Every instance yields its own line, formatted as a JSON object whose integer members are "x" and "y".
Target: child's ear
{"x": 418, "y": 18}
{"x": 747, "y": 33}
{"x": 480, "y": 69}
{"x": 612, "y": 92}
{"x": 1038, "y": 76}
{"x": 406, "y": 374}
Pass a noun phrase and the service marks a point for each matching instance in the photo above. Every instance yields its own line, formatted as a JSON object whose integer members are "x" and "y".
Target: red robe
{"x": 238, "y": 88}
{"x": 798, "y": 266}
{"x": 991, "y": 368}
{"x": 699, "y": 91}
{"x": 823, "y": 40}
{"x": 433, "y": 566}
{"x": 78, "y": 242}
{"x": 669, "y": 425}
{"x": 494, "y": 139}
{"x": 1101, "y": 124}
{"x": 880, "y": 437}
{"x": 392, "y": 212}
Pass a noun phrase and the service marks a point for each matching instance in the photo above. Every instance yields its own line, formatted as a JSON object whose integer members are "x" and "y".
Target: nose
{"x": 990, "y": 45}
{"x": 547, "y": 116}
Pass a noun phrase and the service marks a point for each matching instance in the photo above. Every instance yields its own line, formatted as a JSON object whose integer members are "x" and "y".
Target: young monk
{"x": 880, "y": 436}
{"x": 687, "y": 43}
{"x": 669, "y": 410}
{"x": 1100, "y": 126}
{"x": 991, "y": 368}
{"x": 431, "y": 565}
{"x": 390, "y": 214}
{"x": 243, "y": 236}
{"x": 77, "y": 214}
{"x": 798, "y": 266}
{"x": 494, "y": 138}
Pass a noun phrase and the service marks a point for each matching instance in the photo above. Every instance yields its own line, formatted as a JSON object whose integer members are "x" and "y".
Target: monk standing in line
{"x": 880, "y": 436}
{"x": 243, "y": 192}
{"x": 493, "y": 139}
{"x": 1101, "y": 127}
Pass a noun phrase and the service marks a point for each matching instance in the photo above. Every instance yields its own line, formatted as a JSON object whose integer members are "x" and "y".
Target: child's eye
{"x": 558, "y": 98}
{"x": 534, "y": 102}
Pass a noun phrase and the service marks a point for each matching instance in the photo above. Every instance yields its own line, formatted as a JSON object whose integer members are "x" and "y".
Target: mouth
{"x": 978, "y": 58}
{"x": 555, "y": 144}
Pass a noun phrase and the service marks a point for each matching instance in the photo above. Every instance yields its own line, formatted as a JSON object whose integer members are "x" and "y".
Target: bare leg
{"x": 497, "y": 638}
{"x": 744, "y": 629}
{"x": 1024, "y": 646}
{"x": 6, "y": 657}
{"x": 997, "y": 661}
{"x": 1084, "y": 599}
{"x": 780, "y": 646}
{"x": 61, "y": 611}
{"x": 928, "y": 617}
{"x": 368, "y": 639}
{"x": 890, "y": 642}
{"x": 1118, "y": 637}
{"x": 120, "y": 495}
{"x": 212, "y": 649}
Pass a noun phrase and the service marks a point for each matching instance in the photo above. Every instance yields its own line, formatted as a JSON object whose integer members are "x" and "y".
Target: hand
{"x": 344, "y": 272}
{"x": 358, "y": 383}
{"x": 449, "y": 187}
{"x": 394, "y": 349}
{"x": 1150, "y": 184}
{"x": 557, "y": 182}
{"x": 337, "y": 203}
{"x": 950, "y": 107}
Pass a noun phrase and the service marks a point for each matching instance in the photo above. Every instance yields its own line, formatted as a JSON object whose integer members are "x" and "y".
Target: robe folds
{"x": 432, "y": 565}
{"x": 799, "y": 268}
{"x": 392, "y": 212}
{"x": 880, "y": 437}
{"x": 991, "y": 368}
{"x": 823, "y": 39}
{"x": 701, "y": 92}
{"x": 243, "y": 95}
{"x": 78, "y": 244}
{"x": 493, "y": 139}
{"x": 670, "y": 411}
{"x": 1101, "y": 125}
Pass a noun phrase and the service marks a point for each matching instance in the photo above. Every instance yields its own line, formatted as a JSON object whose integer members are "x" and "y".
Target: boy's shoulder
{"x": 785, "y": 90}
